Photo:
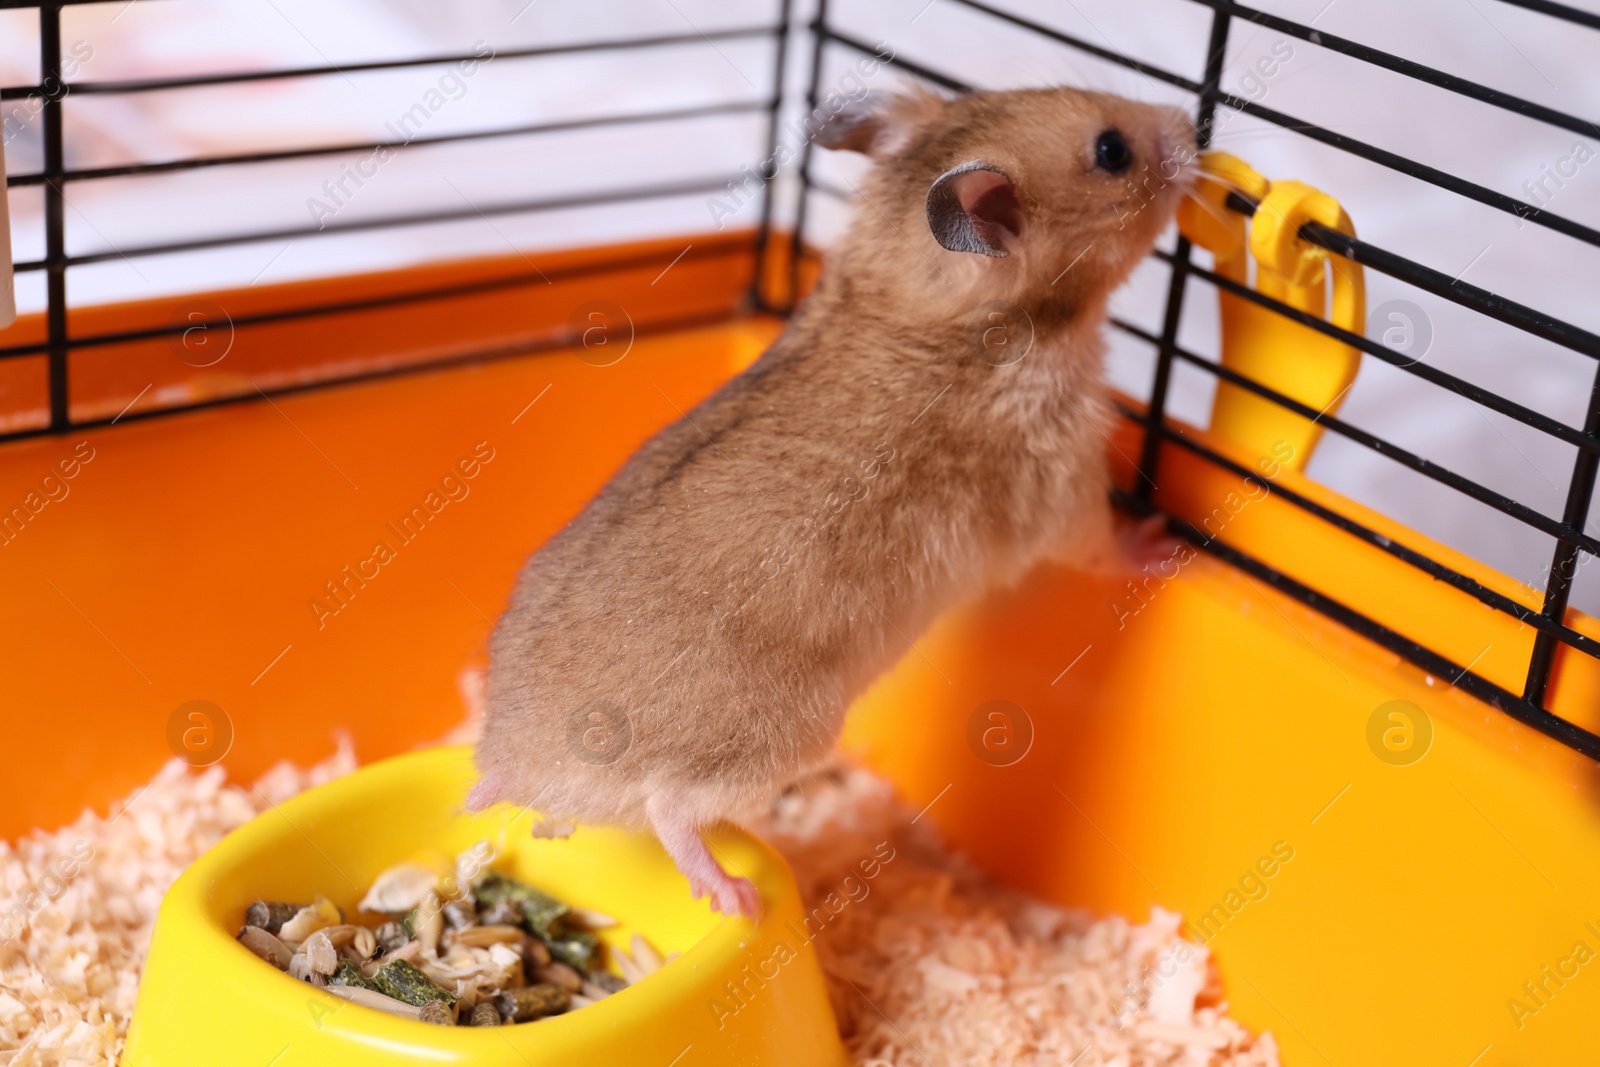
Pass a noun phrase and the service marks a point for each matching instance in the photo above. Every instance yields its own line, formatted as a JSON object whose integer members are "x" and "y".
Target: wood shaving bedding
{"x": 77, "y": 905}
{"x": 927, "y": 963}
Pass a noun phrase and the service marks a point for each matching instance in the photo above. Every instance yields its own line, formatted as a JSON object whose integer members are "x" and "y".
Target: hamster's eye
{"x": 1111, "y": 152}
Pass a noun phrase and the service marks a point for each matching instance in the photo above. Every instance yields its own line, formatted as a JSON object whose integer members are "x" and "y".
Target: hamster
{"x": 929, "y": 424}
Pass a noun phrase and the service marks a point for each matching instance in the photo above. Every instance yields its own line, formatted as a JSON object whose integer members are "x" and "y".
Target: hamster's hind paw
{"x": 730, "y": 895}
{"x": 683, "y": 841}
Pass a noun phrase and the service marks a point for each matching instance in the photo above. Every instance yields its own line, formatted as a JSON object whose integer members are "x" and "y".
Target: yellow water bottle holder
{"x": 1257, "y": 342}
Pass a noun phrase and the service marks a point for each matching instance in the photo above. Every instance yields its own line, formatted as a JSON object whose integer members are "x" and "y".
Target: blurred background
{"x": 315, "y": 219}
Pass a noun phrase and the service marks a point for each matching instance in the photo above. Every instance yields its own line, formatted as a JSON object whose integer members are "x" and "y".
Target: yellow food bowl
{"x": 741, "y": 992}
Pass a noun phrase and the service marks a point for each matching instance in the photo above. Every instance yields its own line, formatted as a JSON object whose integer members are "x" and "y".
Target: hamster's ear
{"x": 974, "y": 208}
{"x": 879, "y": 124}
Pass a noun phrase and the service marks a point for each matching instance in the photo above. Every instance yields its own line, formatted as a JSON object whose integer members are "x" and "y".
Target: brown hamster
{"x": 690, "y": 642}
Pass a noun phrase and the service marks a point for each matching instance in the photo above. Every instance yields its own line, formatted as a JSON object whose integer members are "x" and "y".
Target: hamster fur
{"x": 930, "y": 423}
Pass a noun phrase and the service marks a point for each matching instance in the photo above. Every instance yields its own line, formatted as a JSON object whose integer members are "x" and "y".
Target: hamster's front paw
{"x": 1146, "y": 543}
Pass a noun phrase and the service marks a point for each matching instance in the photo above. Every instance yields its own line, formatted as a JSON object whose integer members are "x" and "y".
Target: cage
{"x": 238, "y": 366}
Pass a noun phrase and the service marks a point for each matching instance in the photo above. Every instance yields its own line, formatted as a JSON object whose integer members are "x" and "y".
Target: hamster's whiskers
{"x": 1204, "y": 205}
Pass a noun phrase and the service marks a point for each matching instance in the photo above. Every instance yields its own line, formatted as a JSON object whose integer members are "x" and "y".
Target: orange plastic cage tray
{"x": 1207, "y": 745}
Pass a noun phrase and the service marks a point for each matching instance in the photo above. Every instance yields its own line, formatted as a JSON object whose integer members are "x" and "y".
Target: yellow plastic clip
{"x": 1260, "y": 344}
{"x": 1204, "y": 216}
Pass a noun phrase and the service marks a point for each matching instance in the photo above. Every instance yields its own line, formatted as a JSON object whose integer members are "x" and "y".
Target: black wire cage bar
{"x": 1567, "y": 529}
{"x": 54, "y": 89}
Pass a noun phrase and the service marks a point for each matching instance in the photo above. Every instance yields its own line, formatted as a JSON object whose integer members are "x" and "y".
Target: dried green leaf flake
{"x": 349, "y": 974}
{"x": 403, "y": 982}
{"x": 541, "y": 912}
{"x": 576, "y": 948}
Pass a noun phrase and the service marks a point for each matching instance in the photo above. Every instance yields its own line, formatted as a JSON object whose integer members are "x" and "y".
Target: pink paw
{"x": 730, "y": 895}
{"x": 1146, "y": 542}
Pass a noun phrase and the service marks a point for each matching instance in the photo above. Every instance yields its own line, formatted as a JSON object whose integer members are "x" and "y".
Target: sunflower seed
{"x": 270, "y": 915}
{"x": 266, "y": 946}
{"x": 399, "y": 889}
{"x": 484, "y": 936}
